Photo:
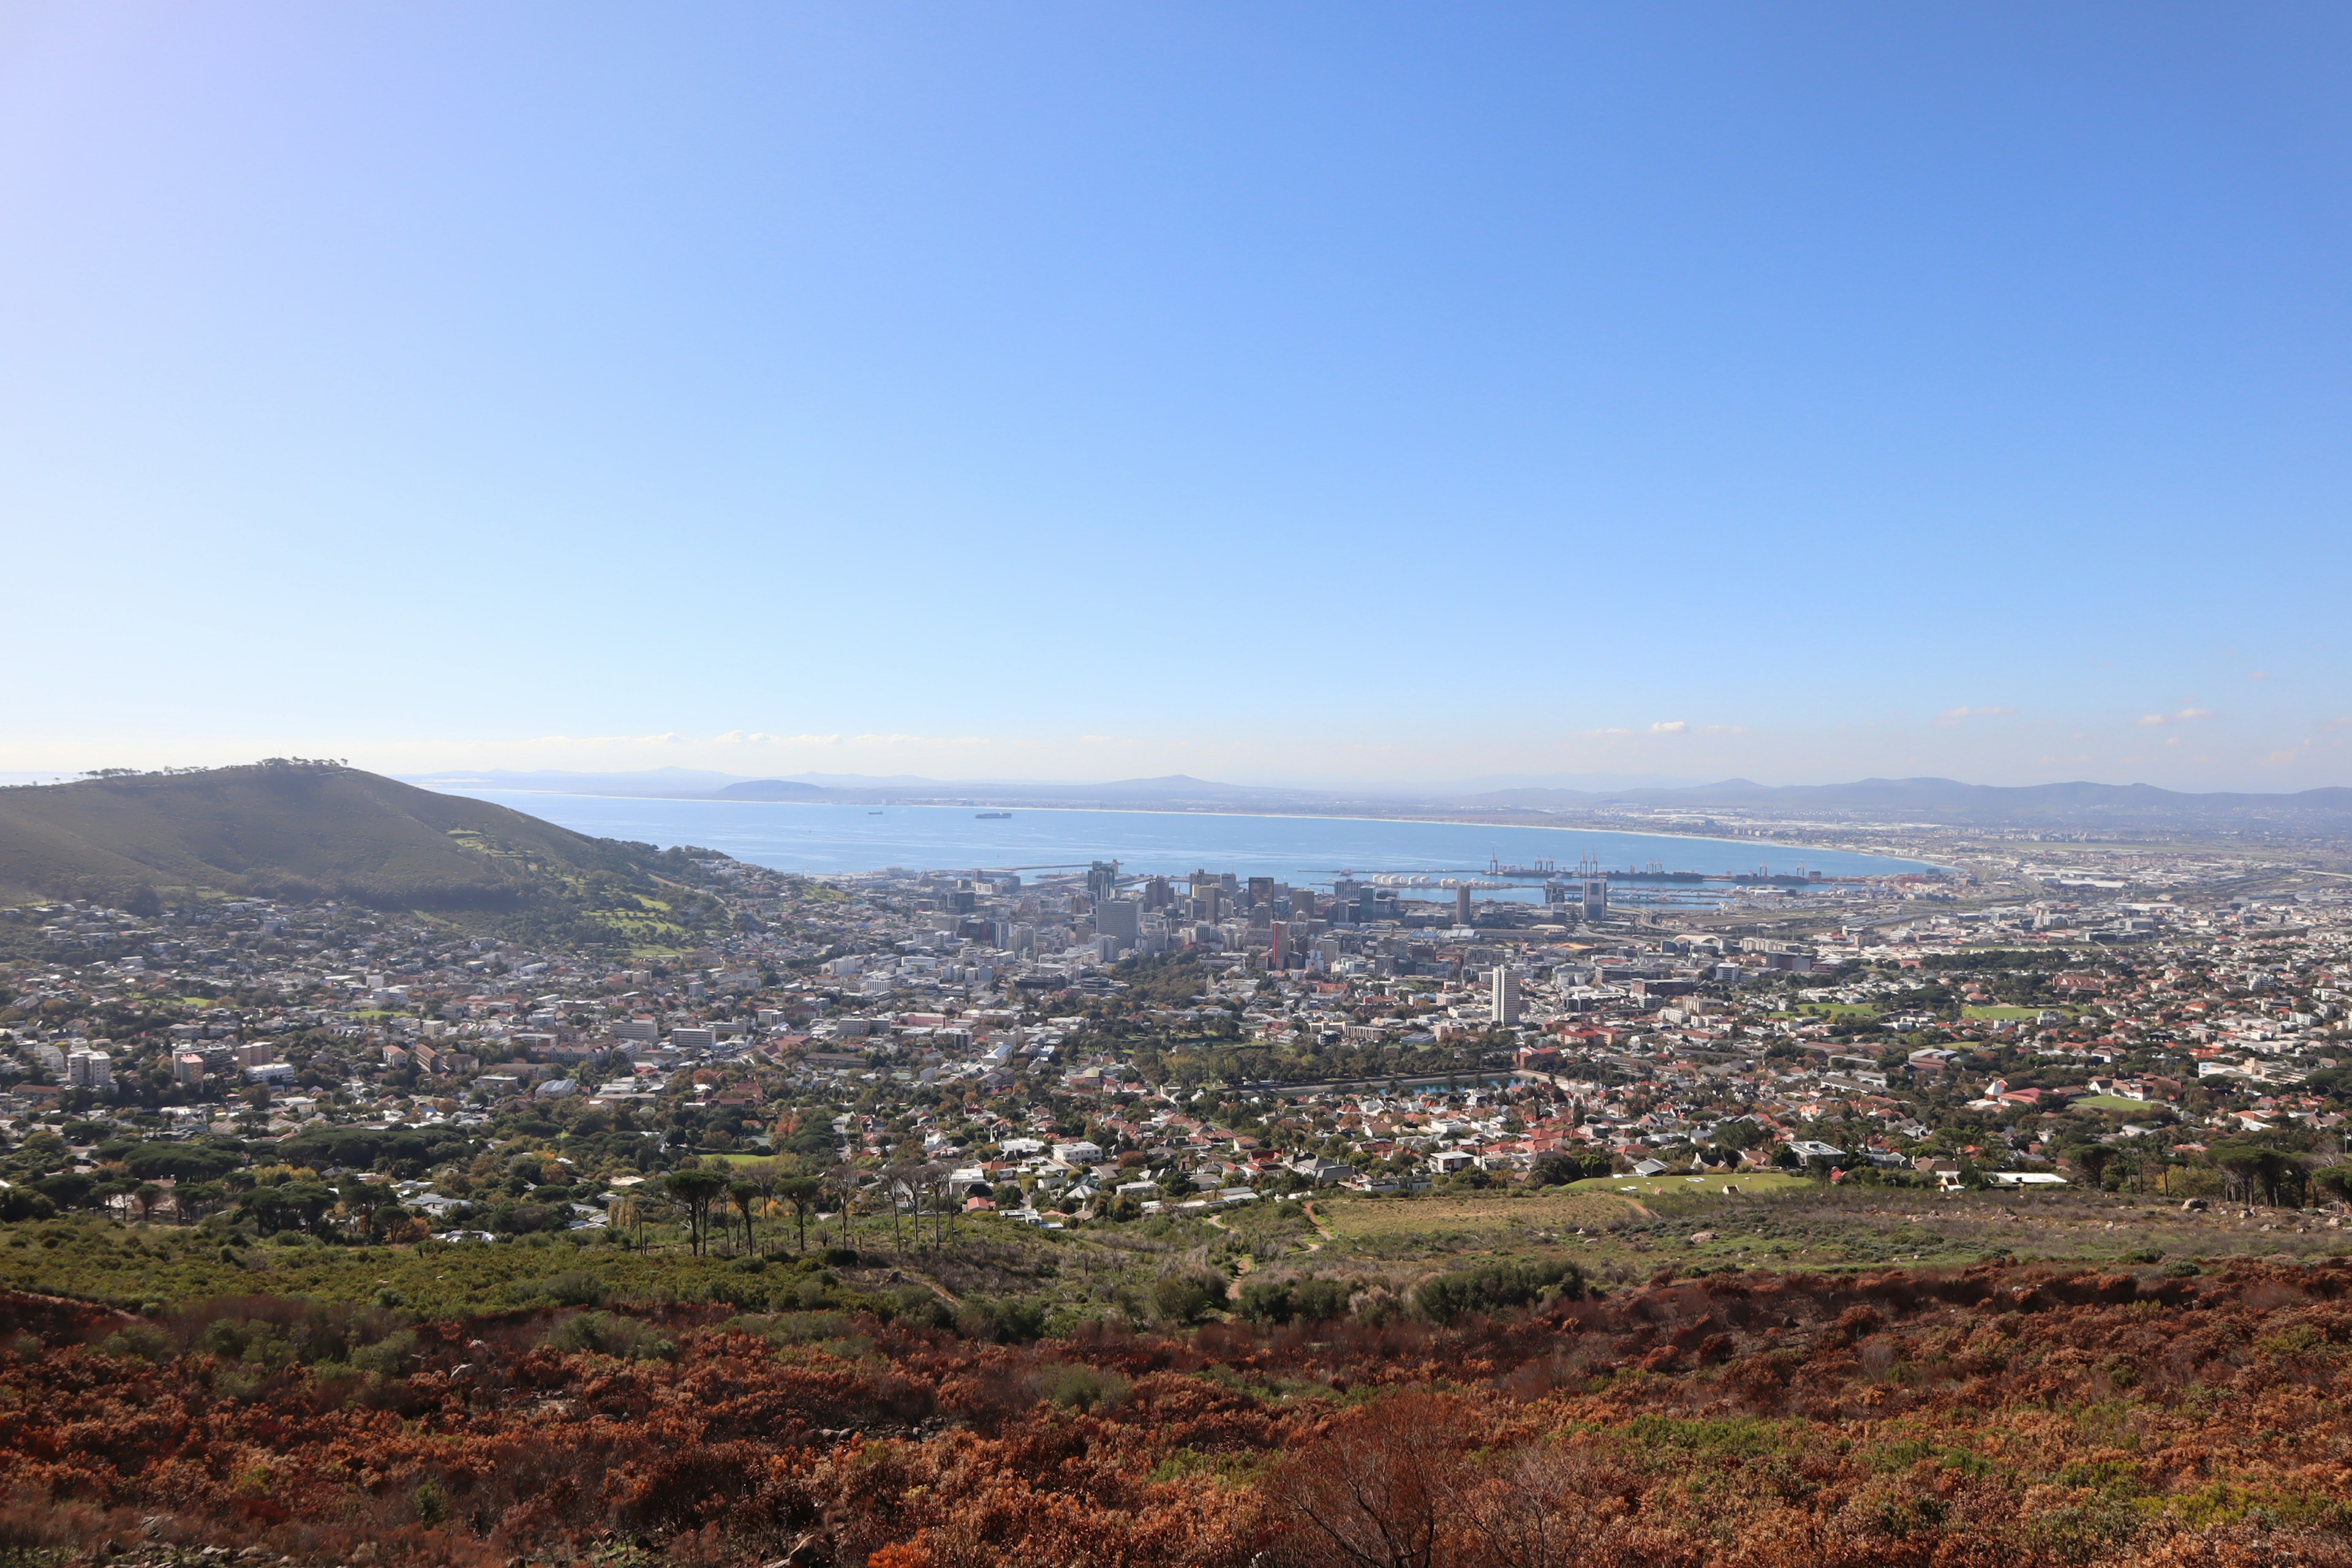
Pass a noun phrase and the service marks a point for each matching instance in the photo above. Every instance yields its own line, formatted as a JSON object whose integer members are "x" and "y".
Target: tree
{"x": 842, "y": 1182}
{"x": 2255, "y": 1171}
{"x": 898, "y": 1178}
{"x": 695, "y": 1190}
{"x": 931, "y": 1180}
{"x": 800, "y": 1191}
{"x": 2335, "y": 1182}
{"x": 2091, "y": 1159}
{"x": 745, "y": 1196}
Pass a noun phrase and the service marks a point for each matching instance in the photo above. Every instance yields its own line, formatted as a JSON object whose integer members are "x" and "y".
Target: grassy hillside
{"x": 309, "y": 830}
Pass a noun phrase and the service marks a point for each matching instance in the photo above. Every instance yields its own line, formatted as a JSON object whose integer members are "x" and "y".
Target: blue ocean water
{"x": 1302, "y": 850}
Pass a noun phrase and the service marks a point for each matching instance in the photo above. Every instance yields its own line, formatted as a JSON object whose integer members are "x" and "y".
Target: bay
{"x": 829, "y": 839}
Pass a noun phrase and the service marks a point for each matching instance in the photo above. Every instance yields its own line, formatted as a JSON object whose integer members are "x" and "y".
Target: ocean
{"x": 1302, "y": 850}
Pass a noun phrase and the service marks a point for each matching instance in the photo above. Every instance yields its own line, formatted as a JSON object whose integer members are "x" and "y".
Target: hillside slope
{"x": 302, "y": 830}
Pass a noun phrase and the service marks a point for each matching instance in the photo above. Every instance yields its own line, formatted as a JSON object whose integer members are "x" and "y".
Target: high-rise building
{"x": 1596, "y": 898}
{"x": 1102, "y": 881}
{"x": 1462, "y": 903}
{"x": 1260, "y": 890}
{"x": 1157, "y": 894}
{"x": 1504, "y": 1006}
{"x": 1121, "y": 920}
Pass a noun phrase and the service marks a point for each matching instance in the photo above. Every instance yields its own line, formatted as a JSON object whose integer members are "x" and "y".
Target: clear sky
{"x": 1284, "y": 393}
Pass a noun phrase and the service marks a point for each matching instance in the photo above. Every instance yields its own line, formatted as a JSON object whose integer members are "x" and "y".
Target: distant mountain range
{"x": 2055, "y": 806}
{"x": 1948, "y": 802}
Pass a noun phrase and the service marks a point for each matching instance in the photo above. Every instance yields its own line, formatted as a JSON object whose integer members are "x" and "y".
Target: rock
{"x": 1698, "y": 1237}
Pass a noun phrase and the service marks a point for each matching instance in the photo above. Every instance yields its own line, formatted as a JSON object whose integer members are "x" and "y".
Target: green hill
{"x": 309, "y": 830}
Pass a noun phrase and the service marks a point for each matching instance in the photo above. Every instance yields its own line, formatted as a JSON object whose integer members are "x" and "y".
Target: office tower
{"x": 1120, "y": 919}
{"x": 1461, "y": 904}
{"x": 1505, "y": 1007}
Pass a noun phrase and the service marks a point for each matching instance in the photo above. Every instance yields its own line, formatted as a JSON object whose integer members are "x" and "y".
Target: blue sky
{"x": 1279, "y": 393}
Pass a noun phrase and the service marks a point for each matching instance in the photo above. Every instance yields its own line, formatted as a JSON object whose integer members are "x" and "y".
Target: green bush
{"x": 1495, "y": 1286}
{"x": 1077, "y": 1387}
{"x": 1275, "y": 1301}
{"x": 139, "y": 1341}
{"x": 573, "y": 1288}
{"x": 1187, "y": 1295}
{"x": 1007, "y": 1320}
{"x": 391, "y": 1356}
{"x": 606, "y": 1333}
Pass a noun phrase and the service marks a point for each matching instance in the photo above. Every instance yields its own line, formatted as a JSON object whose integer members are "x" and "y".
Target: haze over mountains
{"x": 2065, "y": 805}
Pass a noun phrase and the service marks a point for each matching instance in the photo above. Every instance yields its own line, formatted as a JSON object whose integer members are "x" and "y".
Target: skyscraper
{"x": 1120, "y": 919}
{"x": 1505, "y": 1007}
{"x": 1462, "y": 903}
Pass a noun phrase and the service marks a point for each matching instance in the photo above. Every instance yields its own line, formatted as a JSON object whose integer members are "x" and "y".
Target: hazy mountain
{"x": 658, "y": 782}
{"x": 2077, "y": 806}
{"x": 776, "y": 789}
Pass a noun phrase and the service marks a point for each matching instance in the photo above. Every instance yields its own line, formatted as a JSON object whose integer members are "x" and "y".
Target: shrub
{"x": 1187, "y": 1295}
{"x": 573, "y": 1287}
{"x": 607, "y": 1333}
{"x": 139, "y": 1341}
{"x": 1078, "y": 1386}
{"x": 390, "y": 1356}
{"x": 1493, "y": 1286}
{"x": 1010, "y": 1320}
{"x": 1272, "y": 1301}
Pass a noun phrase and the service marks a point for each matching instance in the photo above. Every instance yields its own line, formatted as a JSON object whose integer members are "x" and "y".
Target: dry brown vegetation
{"x": 2017, "y": 1415}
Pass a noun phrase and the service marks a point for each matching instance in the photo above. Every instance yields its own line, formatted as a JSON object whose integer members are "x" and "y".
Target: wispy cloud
{"x": 1669, "y": 726}
{"x": 1954, "y": 715}
{"x": 2185, "y": 716}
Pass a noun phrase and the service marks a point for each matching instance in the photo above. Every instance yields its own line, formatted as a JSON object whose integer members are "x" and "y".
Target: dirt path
{"x": 1242, "y": 1264}
{"x": 1324, "y": 1231}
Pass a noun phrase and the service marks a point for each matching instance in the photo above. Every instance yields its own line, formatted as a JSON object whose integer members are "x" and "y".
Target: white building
{"x": 1503, "y": 1008}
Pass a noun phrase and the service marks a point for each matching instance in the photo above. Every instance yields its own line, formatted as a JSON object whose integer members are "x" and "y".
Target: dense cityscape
{"x": 1089, "y": 1045}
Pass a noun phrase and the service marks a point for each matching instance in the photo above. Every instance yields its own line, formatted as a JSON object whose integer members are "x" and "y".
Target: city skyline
{"x": 1323, "y": 398}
